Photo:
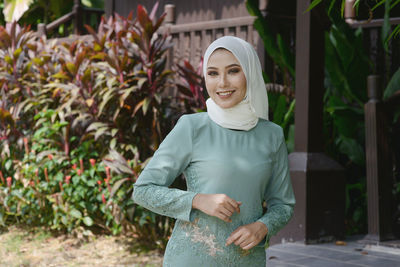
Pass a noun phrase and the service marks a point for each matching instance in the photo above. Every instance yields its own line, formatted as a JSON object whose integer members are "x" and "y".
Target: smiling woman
{"x": 233, "y": 159}
{"x": 225, "y": 80}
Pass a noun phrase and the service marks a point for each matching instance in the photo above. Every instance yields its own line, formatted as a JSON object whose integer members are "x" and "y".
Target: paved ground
{"x": 350, "y": 254}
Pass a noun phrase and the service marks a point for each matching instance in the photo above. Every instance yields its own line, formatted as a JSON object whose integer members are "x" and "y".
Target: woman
{"x": 233, "y": 159}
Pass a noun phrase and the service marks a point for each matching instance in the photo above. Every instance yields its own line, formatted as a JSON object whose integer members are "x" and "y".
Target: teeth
{"x": 225, "y": 93}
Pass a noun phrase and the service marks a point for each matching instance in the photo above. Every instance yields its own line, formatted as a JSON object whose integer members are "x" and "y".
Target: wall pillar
{"x": 379, "y": 165}
{"x": 318, "y": 181}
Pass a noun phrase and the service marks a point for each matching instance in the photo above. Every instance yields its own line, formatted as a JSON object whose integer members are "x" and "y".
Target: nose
{"x": 223, "y": 81}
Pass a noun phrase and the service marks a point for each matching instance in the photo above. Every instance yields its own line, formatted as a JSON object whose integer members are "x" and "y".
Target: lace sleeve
{"x": 172, "y": 157}
{"x": 278, "y": 194}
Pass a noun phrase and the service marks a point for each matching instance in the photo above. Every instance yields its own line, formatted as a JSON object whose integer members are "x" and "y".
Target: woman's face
{"x": 225, "y": 80}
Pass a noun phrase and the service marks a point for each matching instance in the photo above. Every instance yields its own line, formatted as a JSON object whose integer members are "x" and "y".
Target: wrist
{"x": 262, "y": 227}
{"x": 196, "y": 201}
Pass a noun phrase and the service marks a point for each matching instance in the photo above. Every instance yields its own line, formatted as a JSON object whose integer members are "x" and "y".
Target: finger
{"x": 238, "y": 236}
{"x": 227, "y": 205}
{"x": 223, "y": 217}
{"x": 245, "y": 243}
{"x": 249, "y": 246}
{"x": 241, "y": 240}
{"x": 234, "y": 204}
{"x": 232, "y": 238}
{"x": 226, "y": 212}
{"x": 238, "y": 209}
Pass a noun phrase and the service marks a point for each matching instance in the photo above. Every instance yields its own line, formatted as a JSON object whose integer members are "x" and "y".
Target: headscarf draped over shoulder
{"x": 243, "y": 116}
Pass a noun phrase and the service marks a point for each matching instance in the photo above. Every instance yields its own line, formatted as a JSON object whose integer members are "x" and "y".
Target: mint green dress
{"x": 248, "y": 166}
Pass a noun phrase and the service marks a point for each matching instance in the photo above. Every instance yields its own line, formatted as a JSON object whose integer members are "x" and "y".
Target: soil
{"x": 37, "y": 247}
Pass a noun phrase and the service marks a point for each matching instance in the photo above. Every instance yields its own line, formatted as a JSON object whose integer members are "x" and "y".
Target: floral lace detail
{"x": 276, "y": 218}
{"x": 207, "y": 248}
{"x": 203, "y": 236}
{"x": 175, "y": 203}
{"x": 191, "y": 178}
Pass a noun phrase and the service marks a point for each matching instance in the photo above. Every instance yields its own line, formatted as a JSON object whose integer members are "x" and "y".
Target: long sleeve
{"x": 172, "y": 157}
{"x": 278, "y": 194}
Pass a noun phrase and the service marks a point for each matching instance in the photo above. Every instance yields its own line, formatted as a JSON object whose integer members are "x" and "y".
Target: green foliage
{"x": 280, "y": 96}
{"x": 390, "y": 3}
{"x": 393, "y": 85}
{"x": 48, "y": 187}
{"x": 72, "y": 113}
{"x": 40, "y": 11}
{"x": 193, "y": 92}
{"x": 14, "y": 9}
{"x": 347, "y": 67}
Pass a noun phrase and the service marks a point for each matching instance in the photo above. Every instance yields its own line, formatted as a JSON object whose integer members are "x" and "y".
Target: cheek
{"x": 210, "y": 85}
{"x": 243, "y": 84}
{"x": 240, "y": 82}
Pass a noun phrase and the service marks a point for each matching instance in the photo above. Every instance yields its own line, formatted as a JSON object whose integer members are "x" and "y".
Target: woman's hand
{"x": 218, "y": 205}
{"x": 248, "y": 236}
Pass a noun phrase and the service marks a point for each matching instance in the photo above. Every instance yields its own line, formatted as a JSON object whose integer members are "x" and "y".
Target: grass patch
{"x": 37, "y": 247}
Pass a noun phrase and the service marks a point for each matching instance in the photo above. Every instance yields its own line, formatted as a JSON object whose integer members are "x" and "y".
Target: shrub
{"x": 70, "y": 116}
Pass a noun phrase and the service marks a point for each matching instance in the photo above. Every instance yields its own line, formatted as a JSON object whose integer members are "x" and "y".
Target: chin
{"x": 225, "y": 105}
{"x": 228, "y": 103}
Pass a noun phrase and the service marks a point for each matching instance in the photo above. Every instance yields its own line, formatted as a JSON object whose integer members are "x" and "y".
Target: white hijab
{"x": 243, "y": 116}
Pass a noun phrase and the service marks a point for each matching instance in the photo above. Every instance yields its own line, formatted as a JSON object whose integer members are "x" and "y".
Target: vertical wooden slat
{"x": 250, "y": 32}
{"x": 226, "y": 31}
{"x": 204, "y": 41}
{"x": 192, "y": 47}
{"x": 219, "y": 33}
{"x": 180, "y": 52}
{"x": 237, "y": 32}
{"x": 78, "y": 19}
{"x": 176, "y": 55}
{"x": 199, "y": 49}
{"x": 213, "y": 34}
{"x": 187, "y": 46}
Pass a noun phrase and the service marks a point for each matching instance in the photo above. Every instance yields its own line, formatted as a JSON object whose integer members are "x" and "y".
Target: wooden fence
{"x": 190, "y": 40}
{"x": 73, "y": 22}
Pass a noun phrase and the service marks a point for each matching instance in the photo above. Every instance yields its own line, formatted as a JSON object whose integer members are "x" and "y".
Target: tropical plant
{"x": 41, "y": 11}
{"x": 192, "y": 88}
{"x": 389, "y": 5}
{"x": 281, "y": 88}
{"x": 347, "y": 67}
{"x": 65, "y": 103}
{"x": 16, "y": 86}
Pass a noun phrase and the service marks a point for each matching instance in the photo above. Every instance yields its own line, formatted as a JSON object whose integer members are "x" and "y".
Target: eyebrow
{"x": 229, "y": 66}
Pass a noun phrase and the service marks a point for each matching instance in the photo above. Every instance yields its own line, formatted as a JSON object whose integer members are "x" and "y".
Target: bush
{"x": 70, "y": 116}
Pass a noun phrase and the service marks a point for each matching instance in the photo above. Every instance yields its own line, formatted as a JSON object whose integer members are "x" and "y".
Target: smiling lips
{"x": 225, "y": 94}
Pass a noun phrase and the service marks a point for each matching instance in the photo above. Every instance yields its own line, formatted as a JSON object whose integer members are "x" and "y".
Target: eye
{"x": 212, "y": 73}
{"x": 234, "y": 70}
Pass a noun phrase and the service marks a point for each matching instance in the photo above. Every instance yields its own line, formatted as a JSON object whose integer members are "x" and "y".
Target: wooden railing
{"x": 379, "y": 135}
{"x": 78, "y": 17}
{"x": 372, "y": 29}
{"x": 190, "y": 40}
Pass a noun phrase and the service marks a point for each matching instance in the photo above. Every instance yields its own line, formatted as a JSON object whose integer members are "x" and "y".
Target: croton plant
{"x": 79, "y": 119}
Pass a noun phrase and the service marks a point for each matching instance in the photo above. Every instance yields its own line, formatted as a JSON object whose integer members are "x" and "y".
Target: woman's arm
{"x": 280, "y": 202}
{"x": 279, "y": 193}
{"x": 172, "y": 157}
